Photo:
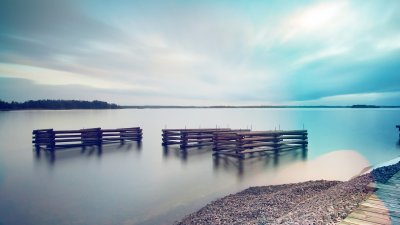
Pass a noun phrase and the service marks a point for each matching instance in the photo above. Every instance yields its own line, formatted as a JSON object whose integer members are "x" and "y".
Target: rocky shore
{"x": 311, "y": 202}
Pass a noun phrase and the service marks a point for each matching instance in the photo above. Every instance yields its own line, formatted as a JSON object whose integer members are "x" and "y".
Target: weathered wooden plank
{"x": 390, "y": 199}
{"x": 358, "y": 221}
{"x": 171, "y": 138}
{"x": 346, "y": 223}
{"x": 383, "y": 216}
{"x": 135, "y": 129}
{"x": 259, "y": 139}
{"x": 383, "y": 211}
{"x": 370, "y": 217}
{"x": 170, "y": 143}
{"x": 385, "y": 201}
{"x": 261, "y": 144}
{"x": 255, "y": 150}
{"x": 386, "y": 216}
{"x": 196, "y": 145}
{"x": 388, "y": 188}
{"x": 68, "y": 136}
{"x": 196, "y": 129}
{"x": 67, "y": 131}
{"x": 119, "y": 139}
{"x": 230, "y": 154}
{"x": 369, "y": 204}
{"x": 293, "y": 132}
{"x": 384, "y": 204}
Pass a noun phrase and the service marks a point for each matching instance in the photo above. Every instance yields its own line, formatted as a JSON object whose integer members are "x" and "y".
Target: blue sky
{"x": 201, "y": 52}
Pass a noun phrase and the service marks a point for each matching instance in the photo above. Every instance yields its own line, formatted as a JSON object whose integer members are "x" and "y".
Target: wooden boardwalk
{"x": 382, "y": 207}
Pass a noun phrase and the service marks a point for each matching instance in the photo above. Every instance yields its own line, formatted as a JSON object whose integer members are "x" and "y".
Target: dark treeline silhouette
{"x": 365, "y": 106}
{"x": 57, "y": 104}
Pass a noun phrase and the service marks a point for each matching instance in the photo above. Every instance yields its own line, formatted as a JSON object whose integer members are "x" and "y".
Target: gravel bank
{"x": 311, "y": 202}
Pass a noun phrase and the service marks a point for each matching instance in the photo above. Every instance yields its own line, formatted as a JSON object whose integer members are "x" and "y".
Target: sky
{"x": 201, "y": 52}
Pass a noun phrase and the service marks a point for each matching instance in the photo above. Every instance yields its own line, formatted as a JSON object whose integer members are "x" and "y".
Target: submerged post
{"x": 398, "y": 127}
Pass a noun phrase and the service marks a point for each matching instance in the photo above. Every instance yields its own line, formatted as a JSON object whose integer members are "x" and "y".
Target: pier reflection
{"x": 61, "y": 154}
{"x": 185, "y": 154}
{"x": 257, "y": 161}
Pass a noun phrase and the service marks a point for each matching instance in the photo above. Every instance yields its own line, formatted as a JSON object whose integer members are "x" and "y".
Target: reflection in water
{"x": 257, "y": 160}
{"x": 229, "y": 163}
{"x": 184, "y": 154}
{"x": 88, "y": 151}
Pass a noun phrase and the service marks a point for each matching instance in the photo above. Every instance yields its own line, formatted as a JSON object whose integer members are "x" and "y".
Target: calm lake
{"x": 131, "y": 184}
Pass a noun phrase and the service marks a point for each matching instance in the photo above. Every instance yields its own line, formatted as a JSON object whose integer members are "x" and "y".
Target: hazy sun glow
{"x": 320, "y": 15}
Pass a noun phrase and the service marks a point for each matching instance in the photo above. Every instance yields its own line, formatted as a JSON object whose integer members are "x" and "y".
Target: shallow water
{"x": 131, "y": 184}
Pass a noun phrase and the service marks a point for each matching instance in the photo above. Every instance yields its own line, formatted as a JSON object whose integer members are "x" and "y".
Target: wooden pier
{"x": 236, "y": 142}
{"x": 241, "y": 143}
{"x": 189, "y": 138}
{"x": 381, "y": 207}
{"x": 51, "y": 139}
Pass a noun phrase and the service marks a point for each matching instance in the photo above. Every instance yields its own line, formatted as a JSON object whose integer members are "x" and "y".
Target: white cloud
{"x": 323, "y": 54}
{"x": 389, "y": 43}
{"x": 377, "y": 98}
{"x": 55, "y": 77}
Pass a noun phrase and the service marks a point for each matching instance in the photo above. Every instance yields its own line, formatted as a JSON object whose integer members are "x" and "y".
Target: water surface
{"x": 131, "y": 184}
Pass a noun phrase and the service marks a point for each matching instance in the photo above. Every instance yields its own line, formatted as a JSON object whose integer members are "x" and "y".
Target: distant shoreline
{"x": 208, "y": 107}
{"x": 256, "y": 107}
{"x": 79, "y": 104}
{"x": 48, "y": 104}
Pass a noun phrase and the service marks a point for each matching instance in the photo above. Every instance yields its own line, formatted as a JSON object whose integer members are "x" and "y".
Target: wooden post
{"x": 199, "y": 140}
{"x": 140, "y": 134}
{"x": 398, "y": 127}
{"x": 304, "y": 137}
{"x": 51, "y": 139}
{"x": 239, "y": 143}
{"x": 164, "y": 138}
{"x": 99, "y": 137}
{"x": 276, "y": 142}
{"x": 184, "y": 140}
{"x": 122, "y": 136}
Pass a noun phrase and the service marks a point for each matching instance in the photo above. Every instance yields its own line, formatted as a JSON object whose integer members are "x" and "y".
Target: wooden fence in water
{"x": 189, "y": 138}
{"x": 240, "y": 143}
{"x": 52, "y": 139}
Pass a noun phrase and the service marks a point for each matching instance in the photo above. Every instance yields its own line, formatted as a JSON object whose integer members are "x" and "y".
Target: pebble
{"x": 306, "y": 203}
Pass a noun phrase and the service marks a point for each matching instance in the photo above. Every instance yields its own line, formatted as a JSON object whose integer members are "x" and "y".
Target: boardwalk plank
{"x": 381, "y": 207}
{"x": 369, "y": 217}
{"x": 358, "y": 221}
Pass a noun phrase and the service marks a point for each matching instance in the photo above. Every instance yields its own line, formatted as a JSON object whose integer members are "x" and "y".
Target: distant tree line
{"x": 57, "y": 104}
{"x": 365, "y": 106}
